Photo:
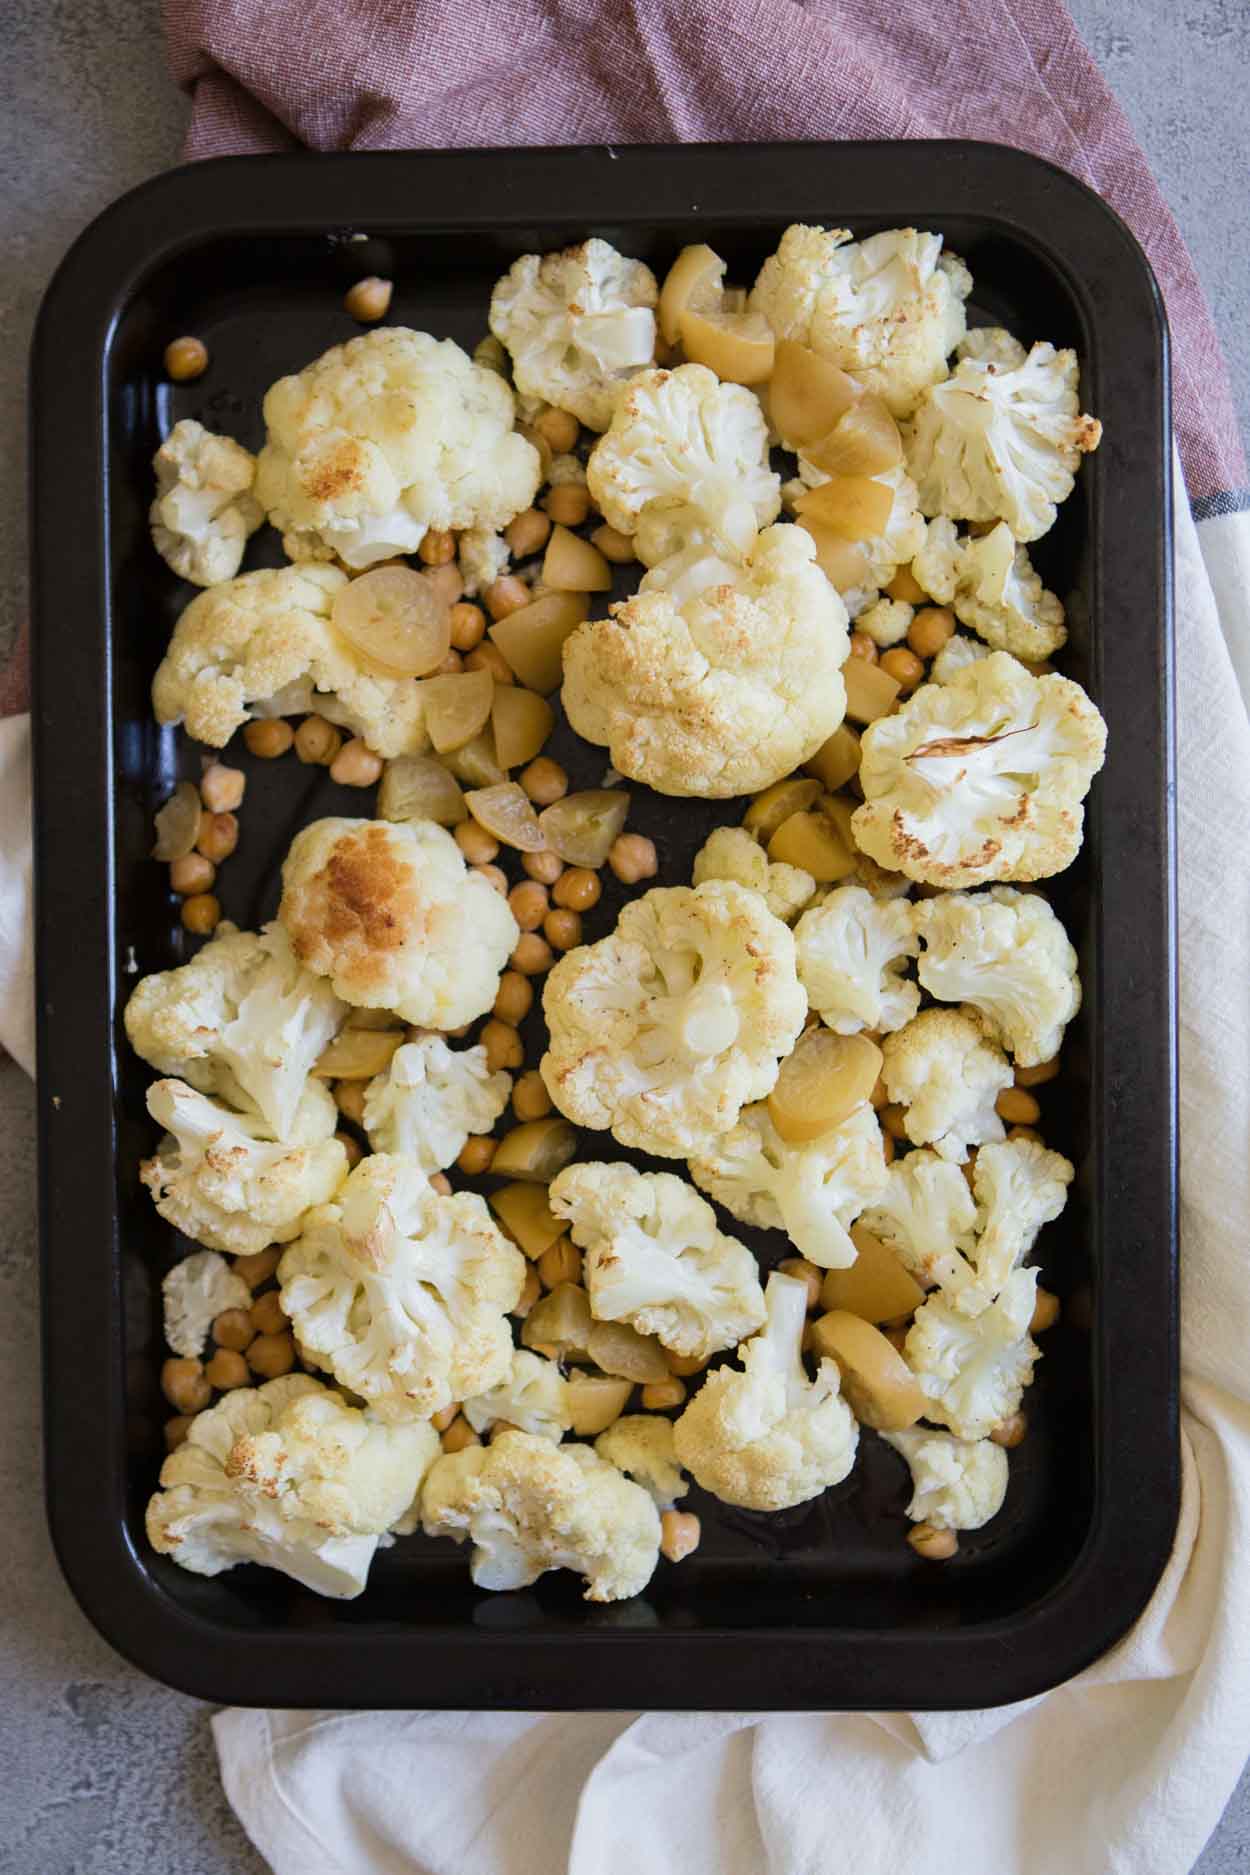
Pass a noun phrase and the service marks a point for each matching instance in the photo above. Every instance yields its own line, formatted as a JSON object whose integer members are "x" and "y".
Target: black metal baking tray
{"x": 825, "y": 1607}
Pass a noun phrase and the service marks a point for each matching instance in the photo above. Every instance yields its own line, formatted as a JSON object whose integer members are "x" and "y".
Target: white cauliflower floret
{"x": 980, "y": 778}
{"x": 691, "y": 453}
{"x": 938, "y": 562}
{"x": 1006, "y": 953}
{"x": 886, "y": 621}
{"x": 814, "y": 1191}
{"x": 927, "y": 1215}
{"x": 763, "y": 1435}
{"x": 955, "y": 656}
{"x": 482, "y": 556}
{"x": 991, "y": 584}
{"x": 382, "y": 438}
{"x": 732, "y": 853}
{"x": 947, "y": 1073}
{"x": 289, "y": 1476}
{"x": 577, "y": 324}
{"x": 991, "y": 444}
{"x": 204, "y": 509}
{"x": 533, "y": 1396}
{"x": 390, "y": 913}
{"x": 193, "y": 1294}
{"x": 992, "y": 345}
{"x": 852, "y": 949}
{"x": 725, "y": 693}
{"x": 264, "y": 645}
{"x": 527, "y": 1506}
{"x": 642, "y": 1446}
{"x": 973, "y": 1370}
{"x": 430, "y": 1098}
{"x": 881, "y": 554}
{"x": 655, "y": 1259}
{"x": 667, "y": 1028}
{"x": 220, "y": 1177}
{"x": 1019, "y": 1187}
{"x": 883, "y": 309}
{"x": 957, "y": 1484}
{"x": 242, "y": 1019}
{"x": 402, "y": 1293}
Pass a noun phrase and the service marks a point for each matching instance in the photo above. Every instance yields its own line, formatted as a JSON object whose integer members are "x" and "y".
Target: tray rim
{"x": 1136, "y": 1377}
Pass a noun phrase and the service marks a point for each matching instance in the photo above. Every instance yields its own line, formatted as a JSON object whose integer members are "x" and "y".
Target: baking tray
{"x": 825, "y": 1606}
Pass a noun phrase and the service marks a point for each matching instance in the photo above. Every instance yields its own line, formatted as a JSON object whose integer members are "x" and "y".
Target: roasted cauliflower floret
{"x": 242, "y": 1019}
{"x": 264, "y": 645}
{"x": 576, "y": 324}
{"x": 763, "y": 1435}
{"x": 289, "y": 1476}
{"x": 947, "y": 1073}
{"x": 980, "y": 778}
{"x": 973, "y": 1369}
{"x": 393, "y": 917}
{"x": 533, "y": 1396}
{"x": 667, "y": 1028}
{"x": 193, "y": 1294}
{"x": 957, "y": 1484}
{"x": 1019, "y": 1187}
{"x": 813, "y": 1192}
{"x": 430, "y": 1098}
{"x": 401, "y": 1293}
{"x": 852, "y": 949}
{"x": 992, "y": 345}
{"x": 994, "y": 444}
{"x": 382, "y": 438}
{"x": 527, "y": 1506}
{"x": 1005, "y": 953}
{"x": 641, "y": 1445}
{"x": 990, "y": 582}
{"x": 204, "y": 508}
{"x": 654, "y": 1257}
{"x": 955, "y": 656}
{"x": 886, "y": 622}
{"x": 928, "y": 1216}
{"x": 725, "y": 693}
{"x": 482, "y": 556}
{"x": 732, "y": 853}
{"x": 222, "y": 1179}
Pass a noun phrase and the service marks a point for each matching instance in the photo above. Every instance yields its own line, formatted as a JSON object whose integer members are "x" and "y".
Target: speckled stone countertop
{"x": 104, "y": 1772}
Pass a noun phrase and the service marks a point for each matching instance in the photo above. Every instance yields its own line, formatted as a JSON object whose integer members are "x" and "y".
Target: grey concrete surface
{"x": 103, "y": 1771}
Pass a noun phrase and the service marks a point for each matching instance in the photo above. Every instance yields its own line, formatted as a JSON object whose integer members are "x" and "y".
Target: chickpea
{"x": 1045, "y": 1312}
{"x": 219, "y": 835}
{"x": 459, "y": 1435}
{"x": 259, "y": 1267}
{"x": 317, "y": 741}
{"x": 369, "y": 300}
{"x": 614, "y": 546}
{"x": 1010, "y": 1432}
{"x": 502, "y": 1045}
{"x": 546, "y": 866}
{"x": 562, "y": 930}
{"x": 893, "y": 1120}
{"x": 578, "y": 889}
{"x": 633, "y": 858}
{"x": 903, "y": 666}
{"x": 353, "y": 1148}
{"x": 184, "y": 1385}
{"x": 176, "y": 1430}
{"x": 1018, "y": 1107}
{"x": 476, "y": 1154}
{"x": 804, "y": 1272}
{"x": 440, "y": 1183}
{"x": 531, "y": 1289}
{"x": 447, "y": 581}
{"x": 930, "y": 629}
{"x": 201, "y": 913}
{"x": 506, "y": 595}
{"x": 680, "y": 1531}
{"x": 906, "y": 588}
{"x": 438, "y": 548}
{"x": 561, "y": 1262}
{"x": 234, "y": 1329}
{"x": 544, "y": 781}
{"x": 528, "y": 902}
{"x": 227, "y": 1370}
{"x": 514, "y": 998}
{"x": 933, "y": 1545}
{"x": 560, "y": 429}
{"x": 530, "y": 1099}
{"x": 568, "y": 505}
{"x": 186, "y": 358}
{"x": 495, "y": 876}
{"x": 355, "y": 765}
{"x": 349, "y": 1098}
{"x": 441, "y": 1421}
{"x": 468, "y": 626}
{"x": 1039, "y": 1074}
{"x": 268, "y": 737}
{"x": 863, "y": 647}
{"x": 488, "y": 657}
{"x": 271, "y": 1356}
{"x": 532, "y": 956}
{"x": 659, "y": 1395}
{"x": 221, "y": 788}
{"x": 478, "y": 846}
{"x": 191, "y": 874}
{"x": 529, "y": 533}
{"x": 268, "y": 1314}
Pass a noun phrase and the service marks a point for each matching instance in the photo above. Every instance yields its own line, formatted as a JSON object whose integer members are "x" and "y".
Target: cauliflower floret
{"x": 928, "y": 1216}
{"x": 938, "y": 562}
{"x": 732, "y": 853}
{"x": 577, "y": 325}
{"x": 403, "y": 1293}
{"x": 765, "y": 1436}
{"x": 482, "y": 556}
{"x": 533, "y": 1396}
{"x": 992, "y": 444}
{"x": 886, "y": 621}
{"x": 220, "y": 1177}
{"x": 527, "y": 1506}
{"x": 264, "y": 645}
{"x": 945, "y": 1070}
{"x": 882, "y": 554}
{"x": 725, "y": 693}
{"x": 1019, "y": 1186}
{"x": 664, "y": 1030}
{"x": 991, "y": 584}
{"x": 955, "y": 656}
{"x": 883, "y": 309}
{"x": 980, "y": 778}
{"x": 194, "y": 1293}
{"x": 852, "y": 949}
{"x": 654, "y": 1258}
{"x": 641, "y": 1445}
{"x": 973, "y": 1370}
{"x": 814, "y": 1192}
{"x": 992, "y": 345}
{"x": 957, "y": 1484}
{"x": 289, "y": 1476}
{"x": 242, "y": 1019}
{"x": 204, "y": 509}
{"x": 382, "y": 438}
{"x": 430, "y": 1098}
{"x": 691, "y": 452}
{"x": 1006, "y": 953}
{"x": 390, "y": 913}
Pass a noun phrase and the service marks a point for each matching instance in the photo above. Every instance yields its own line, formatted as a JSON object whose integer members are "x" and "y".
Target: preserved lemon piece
{"x": 416, "y": 787}
{"x": 532, "y": 639}
{"x": 778, "y": 803}
{"x": 837, "y": 760}
{"x": 571, "y": 564}
{"x": 839, "y": 809}
{"x": 865, "y": 440}
{"x": 821, "y": 1083}
{"x": 456, "y": 707}
{"x": 178, "y": 823}
{"x": 810, "y": 841}
{"x": 879, "y": 1387}
{"x": 358, "y": 1054}
{"x": 507, "y": 811}
{"x": 852, "y": 506}
{"x": 559, "y": 1324}
{"x": 521, "y": 721}
{"x": 738, "y": 346}
{"x": 619, "y": 1349}
{"x": 476, "y": 764}
{"x": 396, "y": 618}
{"x": 523, "y": 1211}
{"x": 870, "y": 691}
{"x": 692, "y": 282}
{"x": 596, "y": 1401}
{"x": 876, "y": 1287}
{"x": 844, "y": 563}
{"x": 806, "y": 394}
{"x": 536, "y": 1151}
{"x": 580, "y": 829}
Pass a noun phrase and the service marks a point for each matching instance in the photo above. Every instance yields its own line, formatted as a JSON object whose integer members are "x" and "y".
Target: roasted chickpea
{"x": 528, "y": 902}
{"x": 658, "y": 1396}
{"x": 184, "y": 1385}
{"x": 1045, "y": 1312}
{"x": 931, "y": 628}
{"x": 219, "y": 835}
{"x": 468, "y": 626}
{"x": 804, "y": 1272}
{"x": 478, "y": 846}
{"x": 317, "y": 742}
{"x": 438, "y": 548}
{"x": 506, "y": 595}
{"x": 222, "y": 789}
{"x": 259, "y": 1267}
{"x": 488, "y": 657}
{"x": 514, "y": 998}
{"x": 577, "y": 889}
{"x": 568, "y": 505}
{"x": 201, "y": 913}
{"x": 353, "y": 1149}
{"x": 268, "y": 1315}
{"x": 903, "y": 666}
{"x": 176, "y": 1430}
{"x": 530, "y": 1099}
{"x": 546, "y": 866}
{"x": 355, "y": 765}
{"x": 369, "y": 300}
{"x": 562, "y": 930}
{"x": 544, "y": 781}
{"x": 458, "y": 1435}
{"x": 227, "y": 1370}
{"x": 186, "y": 358}
{"x": 271, "y": 1356}
{"x": 862, "y": 646}
{"x": 680, "y": 1532}
{"x": 191, "y": 874}
{"x": 502, "y": 1045}
{"x": 1018, "y": 1107}
{"x": 349, "y": 1098}
{"x": 559, "y": 428}
{"x": 234, "y": 1329}
{"x": 1010, "y": 1432}
{"x": 476, "y": 1154}
{"x": 1038, "y": 1075}
{"x": 496, "y": 876}
{"x": 633, "y": 858}
{"x": 560, "y": 1262}
{"x": 532, "y": 956}
{"x": 528, "y": 534}
{"x": 268, "y": 737}
{"x": 615, "y": 547}
{"x": 934, "y": 1545}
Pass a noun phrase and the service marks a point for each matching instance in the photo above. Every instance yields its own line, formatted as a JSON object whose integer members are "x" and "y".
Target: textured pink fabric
{"x": 423, "y": 74}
